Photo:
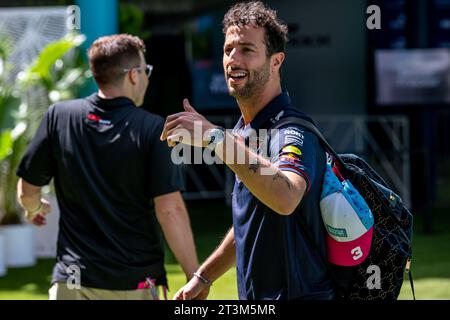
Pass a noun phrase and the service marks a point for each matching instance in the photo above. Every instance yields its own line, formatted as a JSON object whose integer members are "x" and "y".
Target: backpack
{"x": 379, "y": 276}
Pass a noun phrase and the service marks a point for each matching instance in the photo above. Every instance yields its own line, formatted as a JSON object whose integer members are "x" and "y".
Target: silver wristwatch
{"x": 215, "y": 136}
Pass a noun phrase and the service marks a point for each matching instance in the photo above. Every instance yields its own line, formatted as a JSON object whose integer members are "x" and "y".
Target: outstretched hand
{"x": 188, "y": 127}
{"x": 193, "y": 290}
{"x": 39, "y": 218}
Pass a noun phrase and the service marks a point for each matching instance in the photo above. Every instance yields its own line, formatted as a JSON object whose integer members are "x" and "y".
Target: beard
{"x": 256, "y": 80}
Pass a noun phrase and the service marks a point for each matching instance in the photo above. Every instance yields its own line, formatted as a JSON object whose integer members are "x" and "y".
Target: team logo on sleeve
{"x": 289, "y": 156}
{"x": 290, "y": 159}
{"x": 292, "y": 150}
{"x": 293, "y": 136}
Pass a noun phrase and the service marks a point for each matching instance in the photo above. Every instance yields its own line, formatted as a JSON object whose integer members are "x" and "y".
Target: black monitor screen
{"x": 412, "y": 76}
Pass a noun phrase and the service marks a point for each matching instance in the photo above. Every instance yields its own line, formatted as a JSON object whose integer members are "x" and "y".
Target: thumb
{"x": 189, "y": 293}
{"x": 187, "y": 106}
{"x": 46, "y": 210}
{"x": 46, "y": 207}
{"x": 177, "y": 295}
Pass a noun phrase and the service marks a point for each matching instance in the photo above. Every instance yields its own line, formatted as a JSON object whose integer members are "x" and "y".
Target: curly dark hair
{"x": 255, "y": 12}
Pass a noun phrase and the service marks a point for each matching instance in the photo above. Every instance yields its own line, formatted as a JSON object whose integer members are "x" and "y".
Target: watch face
{"x": 217, "y": 136}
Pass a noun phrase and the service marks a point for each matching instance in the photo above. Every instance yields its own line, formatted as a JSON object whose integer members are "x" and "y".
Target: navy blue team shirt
{"x": 274, "y": 259}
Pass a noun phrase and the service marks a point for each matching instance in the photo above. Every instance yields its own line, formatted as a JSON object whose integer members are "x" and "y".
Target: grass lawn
{"x": 210, "y": 221}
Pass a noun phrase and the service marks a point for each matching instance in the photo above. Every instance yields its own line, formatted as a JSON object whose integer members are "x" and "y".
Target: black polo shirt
{"x": 274, "y": 259}
{"x": 108, "y": 163}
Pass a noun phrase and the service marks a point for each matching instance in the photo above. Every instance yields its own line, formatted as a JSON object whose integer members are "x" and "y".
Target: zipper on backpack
{"x": 408, "y": 271}
{"x": 408, "y": 265}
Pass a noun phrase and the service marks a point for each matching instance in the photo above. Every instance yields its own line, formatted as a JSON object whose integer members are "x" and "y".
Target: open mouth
{"x": 236, "y": 76}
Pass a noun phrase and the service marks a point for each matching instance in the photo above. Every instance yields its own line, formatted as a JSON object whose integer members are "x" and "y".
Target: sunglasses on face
{"x": 147, "y": 69}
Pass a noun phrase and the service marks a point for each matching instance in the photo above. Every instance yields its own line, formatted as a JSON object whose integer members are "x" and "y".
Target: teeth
{"x": 239, "y": 74}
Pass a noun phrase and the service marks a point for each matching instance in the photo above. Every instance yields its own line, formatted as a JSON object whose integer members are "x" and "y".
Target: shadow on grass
{"x": 211, "y": 220}
{"x": 27, "y": 283}
{"x": 431, "y": 251}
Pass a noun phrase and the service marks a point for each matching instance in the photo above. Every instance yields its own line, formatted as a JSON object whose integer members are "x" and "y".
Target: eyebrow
{"x": 248, "y": 44}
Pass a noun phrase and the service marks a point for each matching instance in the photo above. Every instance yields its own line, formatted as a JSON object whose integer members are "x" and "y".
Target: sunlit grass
{"x": 427, "y": 289}
{"x": 223, "y": 289}
{"x": 430, "y": 264}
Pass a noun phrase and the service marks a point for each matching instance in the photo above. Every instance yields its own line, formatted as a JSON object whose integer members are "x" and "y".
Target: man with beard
{"x": 274, "y": 259}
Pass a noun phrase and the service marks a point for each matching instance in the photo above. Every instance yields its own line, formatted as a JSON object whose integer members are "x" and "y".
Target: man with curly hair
{"x": 274, "y": 196}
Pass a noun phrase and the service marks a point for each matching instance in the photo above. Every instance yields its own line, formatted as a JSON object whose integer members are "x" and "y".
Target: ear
{"x": 133, "y": 76}
{"x": 277, "y": 60}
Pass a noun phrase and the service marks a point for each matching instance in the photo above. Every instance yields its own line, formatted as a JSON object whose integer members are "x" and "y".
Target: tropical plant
{"x": 131, "y": 20}
{"x": 57, "y": 73}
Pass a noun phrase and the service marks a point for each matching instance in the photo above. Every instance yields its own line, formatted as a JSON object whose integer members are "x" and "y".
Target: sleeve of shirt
{"x": 295, "y": 150}
{"x": 165, "y": 176}
{"x": 36, "y": 166}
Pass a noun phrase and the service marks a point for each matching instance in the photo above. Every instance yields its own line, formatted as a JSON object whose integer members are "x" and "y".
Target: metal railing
{"x": 381, "y": 140}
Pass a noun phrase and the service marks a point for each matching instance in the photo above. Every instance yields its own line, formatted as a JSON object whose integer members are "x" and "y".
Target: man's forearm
{"x": 177, "y": 231}
{"x": 262, "y": 178}
{"x": 221, "y": 260}
{"x": 29, "y": 196}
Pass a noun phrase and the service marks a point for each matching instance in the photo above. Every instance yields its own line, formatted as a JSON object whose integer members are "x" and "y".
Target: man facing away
{"x": 111, "y": 175}
{"x": 273, "y": 257}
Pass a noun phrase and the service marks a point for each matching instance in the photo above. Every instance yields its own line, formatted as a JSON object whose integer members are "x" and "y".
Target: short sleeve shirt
{"x": 108, "y": 163}
{"x": 274, "y": 259}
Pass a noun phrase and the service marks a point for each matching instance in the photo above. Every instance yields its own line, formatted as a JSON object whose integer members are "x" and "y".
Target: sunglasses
{"x": 148, "y": 70}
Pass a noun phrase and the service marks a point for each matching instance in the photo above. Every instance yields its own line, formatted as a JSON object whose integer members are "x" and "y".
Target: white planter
{"x": 3, "y": 269}
{"x": 19, "y": 245}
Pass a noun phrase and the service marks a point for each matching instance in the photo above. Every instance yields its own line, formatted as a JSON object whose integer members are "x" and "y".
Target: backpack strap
{"x": 302, "y": 223}
{"x": 311, "y": 127}
{"x": 411, "y": 282}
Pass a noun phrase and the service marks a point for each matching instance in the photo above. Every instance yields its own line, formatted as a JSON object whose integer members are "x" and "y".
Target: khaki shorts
{"x": 60, "y": 291}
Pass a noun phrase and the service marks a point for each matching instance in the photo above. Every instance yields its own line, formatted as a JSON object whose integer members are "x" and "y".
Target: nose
{"x": 231, "y": 59}
{"x": 234, "y": 55}
{"x": 233, "y": 52}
